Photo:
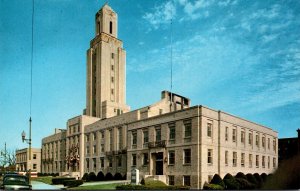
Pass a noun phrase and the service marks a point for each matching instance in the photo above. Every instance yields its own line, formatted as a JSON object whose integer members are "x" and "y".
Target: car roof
{"x": 15, "y": 175}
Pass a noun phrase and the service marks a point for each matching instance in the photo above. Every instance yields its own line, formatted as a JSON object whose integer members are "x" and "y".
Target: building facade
{"x": 288, "y": 147}
{"x": 168, "y": 140}
{"x": 23, "y": 164}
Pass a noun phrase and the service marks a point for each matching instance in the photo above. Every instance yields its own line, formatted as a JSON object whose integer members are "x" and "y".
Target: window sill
{"x": 171, "y": 164}
{"x": 187, "y": 164}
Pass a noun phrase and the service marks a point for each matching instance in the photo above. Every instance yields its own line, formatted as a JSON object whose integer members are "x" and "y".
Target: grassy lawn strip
{"x": 44, "y": 179}
{"x": 97, "y": 187}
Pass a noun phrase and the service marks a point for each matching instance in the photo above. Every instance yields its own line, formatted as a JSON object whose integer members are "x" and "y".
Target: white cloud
{"x": 162, "y": 14}
{"x": 266, "y": 13}
{"x": 269, "y": 38}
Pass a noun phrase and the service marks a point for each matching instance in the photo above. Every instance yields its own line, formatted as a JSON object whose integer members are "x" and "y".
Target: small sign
{"x": 135, "y": 174}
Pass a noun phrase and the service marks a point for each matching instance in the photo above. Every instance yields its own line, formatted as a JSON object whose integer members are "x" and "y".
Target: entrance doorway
{"x": 159, "y": 163}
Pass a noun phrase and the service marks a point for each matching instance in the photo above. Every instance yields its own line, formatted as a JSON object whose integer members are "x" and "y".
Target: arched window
{"x": 110, "y": 27}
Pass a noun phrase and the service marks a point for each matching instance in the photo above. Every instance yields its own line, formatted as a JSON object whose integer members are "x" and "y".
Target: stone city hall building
{"x": 168, "y": 140}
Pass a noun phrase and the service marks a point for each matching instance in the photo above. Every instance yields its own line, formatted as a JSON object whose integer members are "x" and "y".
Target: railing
{"x": 157, "y": 144}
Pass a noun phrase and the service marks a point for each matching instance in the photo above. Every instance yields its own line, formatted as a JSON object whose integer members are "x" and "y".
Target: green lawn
{"x": 97, "y": 187}
{"x": 45, "y": 179}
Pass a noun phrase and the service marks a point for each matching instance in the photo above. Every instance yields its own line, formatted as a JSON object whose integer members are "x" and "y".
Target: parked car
{"x": 15, "y": 182}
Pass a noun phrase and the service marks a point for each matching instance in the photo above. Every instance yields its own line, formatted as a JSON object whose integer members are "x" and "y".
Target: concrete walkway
{"x": 106, "y": 182}
{"x": 36, "y": 185}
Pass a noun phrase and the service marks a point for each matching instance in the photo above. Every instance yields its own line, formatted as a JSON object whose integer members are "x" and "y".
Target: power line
{"x": 31, "y": 62}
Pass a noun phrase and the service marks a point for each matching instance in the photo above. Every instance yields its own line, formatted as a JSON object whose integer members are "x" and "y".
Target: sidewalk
{"x": 106, "y": 182}
{"x": 42, "y": 186}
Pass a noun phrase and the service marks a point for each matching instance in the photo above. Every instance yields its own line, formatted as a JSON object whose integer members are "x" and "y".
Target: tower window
{"x": 112, "y": 91}
{"x": 112, "y": 55}
{"x": 110, "y": 27}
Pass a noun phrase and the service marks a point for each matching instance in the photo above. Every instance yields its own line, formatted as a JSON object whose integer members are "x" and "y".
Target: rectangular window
{"x": 120, "y": 139}
{"x": 209, "y": 129}
{"x": 112, "y": 67}
{"x": 146, "y": 138}
{"x": 274, "y": 162}
{"x": 187, "y": 180}
{"x": 268, "y": 161}
{"x": 119, "y": 158}
{"x": 233, "y": 135}
{"x": 263, "y": 142}
{"x": 112, "y": 91}
{"x": 269, "y": 143}
{"x": 110, "y": 162}
{"x": 257, "y": 161}
{"x": 226, "y": 134}
{"x": 133, "y": 161}
{"x": 171, "y": 180}
{"x": 243, "y": 137}
{"x": 234, "y": 158}
{"x": 87, "y": 138}
{"x": 110, "y": 140}
{"x": 250, "y": 138}
{"x": 112, "y": 79}
{"x": 112, "y": 55}
{"x": 209, "y": 156}
{"x": 158, "y": 133}
{"x": 187, "y": 130}
{"x": 87, "y": 150}
{"x": 102, "y": 148}
{"x": 257, "y": 140}
{"x": 102, "y": 134}
{"x": 171, "y": 157}
{"x": 263, "y": 162}
{"x": 172, "y": 134}
{"x": 87, "y": 163}
{"x": 145, "y": 159}
{"x": 102, "y": 162}
{"x": 34, "y": 156}
{"x": 94, "y": 136}
{"x": 243, "y": 159}
{"x": 34, "y": 166}
{"x": 274, "y": 145}
{"x": 94, "y": 164}
{"x": 134, "y": 139}
{"x": 187, "y": 156}
{"x": 94, "y": 149}
{"x": 226, "y": 158}
{"x": 250, "y": 160}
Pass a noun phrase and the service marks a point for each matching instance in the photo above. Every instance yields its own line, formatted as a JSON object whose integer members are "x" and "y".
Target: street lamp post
{"x": 28, "y": 141}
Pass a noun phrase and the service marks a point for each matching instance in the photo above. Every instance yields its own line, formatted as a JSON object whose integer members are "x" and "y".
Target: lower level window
{"x": 187, "y": 180}
{"x": 171, "y": 180}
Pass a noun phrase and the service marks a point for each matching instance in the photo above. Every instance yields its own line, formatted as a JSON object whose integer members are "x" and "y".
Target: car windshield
{"x": 15, "y": 180}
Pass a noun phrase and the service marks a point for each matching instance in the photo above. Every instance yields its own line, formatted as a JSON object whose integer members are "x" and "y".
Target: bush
{"x": 86, "y": 177}
{"x": 228, "y": 176}
{"x": 154, "y": 183}
{"x": 258, "y": 180}
{"x": 60, "y": 180}
{"x": 109, "y": 176}
{"x": 244, "y": 184}
{"x": 241, "y": 175}
{"x": 143, "y": 187}
{"x": 264, "y": 177}
{"x": 100, "y": 176}
{"x": 124, "y": 177}
{"x": 92, "y": 176}
{"x": 72, "y": 183}
{"x": 230, "y": 182}
{"x": 143, "y": 181}
{"x": 118, "y": 176}
{"x": 217, "y": 180}
{"x": 212, "y": 187}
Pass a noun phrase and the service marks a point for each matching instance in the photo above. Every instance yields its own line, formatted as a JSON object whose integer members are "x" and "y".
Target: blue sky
{"x": 242, "y": 57}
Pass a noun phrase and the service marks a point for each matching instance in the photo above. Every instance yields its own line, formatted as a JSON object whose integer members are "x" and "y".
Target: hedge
{"x": 72, "y": 183}
{"x": 118, "y": 176}
{"x": 231, "y": 183}
{"x": 258, "y": 179}
{"x": 109, "y": 176}
{"x": 217, "y": 180}
{"x": 241, "y": 175}
{"x": 61, "y": 180}
{"x": 212, "y": 187}
{"x": 244, "y": 184}
{"x": 92, "y": 177}
{"x": 85, "y": 177}
{"x": 143, "y": 187}
{"x": 264, "y": 177}
{"x": 100, "y": 176}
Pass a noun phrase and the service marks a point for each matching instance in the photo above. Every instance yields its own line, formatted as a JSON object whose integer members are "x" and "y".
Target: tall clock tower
{"x": 106, "y": 68}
